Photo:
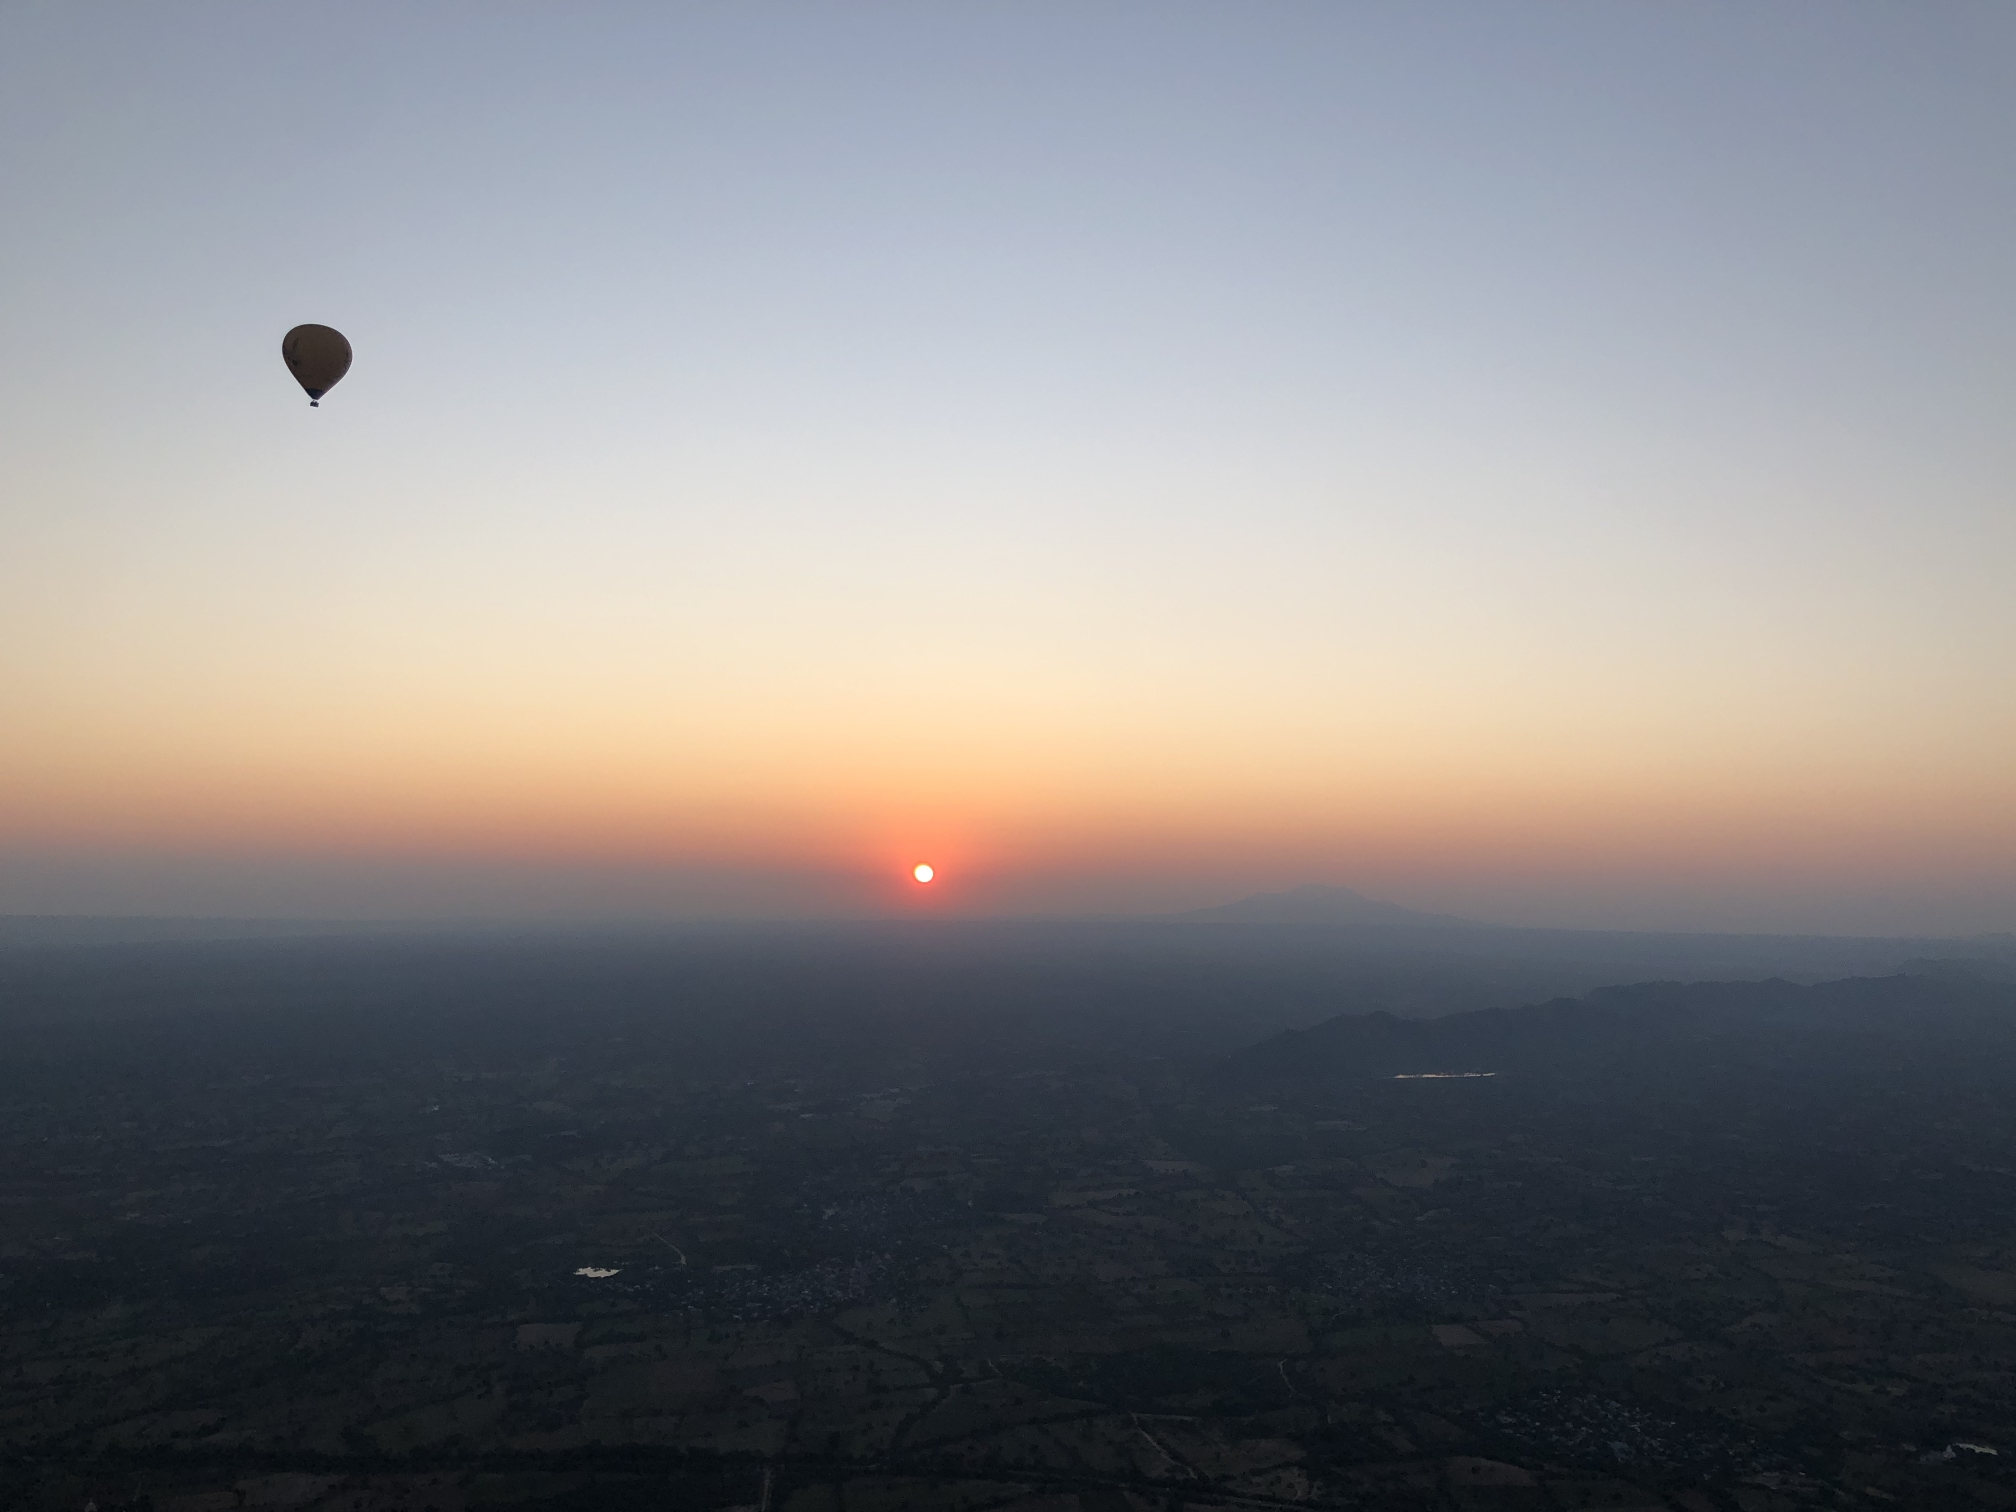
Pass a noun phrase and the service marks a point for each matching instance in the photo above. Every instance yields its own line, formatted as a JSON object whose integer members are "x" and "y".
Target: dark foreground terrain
{"x": 426, "y": 1226}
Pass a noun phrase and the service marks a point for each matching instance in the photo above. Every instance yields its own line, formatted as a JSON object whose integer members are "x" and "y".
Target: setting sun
{"x": 922, "y": 873}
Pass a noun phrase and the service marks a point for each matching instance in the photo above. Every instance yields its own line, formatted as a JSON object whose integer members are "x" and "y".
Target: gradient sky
{"x": 1547, "y": 462}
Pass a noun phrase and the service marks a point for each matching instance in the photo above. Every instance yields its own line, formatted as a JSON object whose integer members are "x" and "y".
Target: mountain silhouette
{"x": 1648, "y": 1021}
{"x": 1315, "y": 903}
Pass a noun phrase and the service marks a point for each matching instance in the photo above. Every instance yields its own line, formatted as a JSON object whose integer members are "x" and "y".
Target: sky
{"x": 1551, "y": 463}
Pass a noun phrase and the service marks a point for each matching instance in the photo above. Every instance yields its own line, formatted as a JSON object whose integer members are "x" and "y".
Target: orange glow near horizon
{"x": 802, "y": 752}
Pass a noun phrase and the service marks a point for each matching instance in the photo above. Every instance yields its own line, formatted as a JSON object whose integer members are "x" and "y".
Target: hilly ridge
{"x": 1638, "y": 1022}
{"x": 1319, "y": 903}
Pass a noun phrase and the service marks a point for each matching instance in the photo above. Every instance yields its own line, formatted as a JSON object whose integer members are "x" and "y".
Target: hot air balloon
{"x": 318, "y": 356}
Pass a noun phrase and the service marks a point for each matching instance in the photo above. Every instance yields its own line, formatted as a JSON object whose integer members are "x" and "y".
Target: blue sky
{"x": 1551, "y": 461}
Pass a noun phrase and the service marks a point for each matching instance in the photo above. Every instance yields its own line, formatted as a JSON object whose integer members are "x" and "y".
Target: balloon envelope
{"x": 318, "y": 356}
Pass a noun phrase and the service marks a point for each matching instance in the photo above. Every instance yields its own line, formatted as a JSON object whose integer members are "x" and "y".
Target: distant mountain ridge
{"x": 1641, "y": 1022}
{"x": 1317, "y": 903}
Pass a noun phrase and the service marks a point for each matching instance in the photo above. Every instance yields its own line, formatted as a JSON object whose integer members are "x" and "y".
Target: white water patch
{"x": 595, "y": 1273}
{"x": 1443, "y": 1075}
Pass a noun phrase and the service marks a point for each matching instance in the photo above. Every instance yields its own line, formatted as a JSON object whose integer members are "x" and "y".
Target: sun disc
{"x": 922, "y": 873}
